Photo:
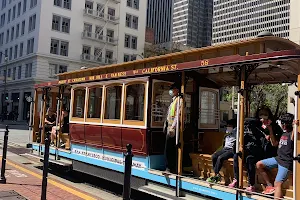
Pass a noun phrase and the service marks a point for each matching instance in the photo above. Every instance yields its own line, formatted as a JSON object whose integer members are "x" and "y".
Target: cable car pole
{"x": 179, "y": 135}
{"x": 241, "y": 127}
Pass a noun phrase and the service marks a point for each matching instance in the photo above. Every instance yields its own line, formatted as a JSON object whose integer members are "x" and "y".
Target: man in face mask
{"x": 225, "y": 152}
{"x": 172, "y": 120}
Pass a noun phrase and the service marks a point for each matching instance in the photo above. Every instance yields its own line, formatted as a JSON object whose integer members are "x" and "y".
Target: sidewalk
{"x": 28, "y": 183}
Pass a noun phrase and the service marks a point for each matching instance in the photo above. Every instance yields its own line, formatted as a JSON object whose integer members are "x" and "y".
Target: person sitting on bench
{"x": 225, "y": 152}
{"x": 64, "y": 126}
{"x": 284, "y": 159}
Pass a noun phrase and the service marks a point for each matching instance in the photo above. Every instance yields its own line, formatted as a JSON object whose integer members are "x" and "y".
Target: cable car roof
{"x": 275, "y": 60}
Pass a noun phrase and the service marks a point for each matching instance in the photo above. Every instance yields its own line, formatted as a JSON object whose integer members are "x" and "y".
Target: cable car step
{"x": 61, "y": 162}
{"x": 168, "y": 193}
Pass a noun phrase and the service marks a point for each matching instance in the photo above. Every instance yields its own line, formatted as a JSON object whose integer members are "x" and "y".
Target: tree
{"x": 151, "y": 50}
{"x": 273, "y": 95}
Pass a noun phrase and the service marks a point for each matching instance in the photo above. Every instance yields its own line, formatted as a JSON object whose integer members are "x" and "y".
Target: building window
{"x": 33, "y": 3}
{"x": 132, "y": 21}
{"x": 23, "y": 28}
{"x": 10, "y": 53}
{"x": 19, "y": 72}
{"x": 63, "y": 3}
{"x": 79, "y": 102}
{"x": 24, "y": 5}
{"x": 21, "y": 49}
{"x": 65, "y": 26}
{"x": 88, "y": 5}
{"x": 128, "y": 20}
{"x": 56, "y": 23}
{"x": 9, "y": 73}
{"x": 113, "y": 102}
{"x": 16, "y": 52}
{"x": 59, "y": 47}
{"x": 14, "y": 13}
{"x": 95, "y": 102}
{"x": 133, "y": 4}
{"x": 8, "y": 15}
{"x": 32, "y": 22}
{"x": 57, "y": 69}
{"x": 1, "y": 38}
{"x": 12, "y": 33}
{"x": 3, "y": 4}
{"x": 54, "y": 46}
{"x": 2, "y": 20}
{"x": 57, "y": 3}
{"x": 28, "y": 70}
{"x": 111, "y": 12}
{"x": 14, "y": 73}
{"x": 130, "y": 41}
{"x": 64, "y": 48}
{"x": 19, "y": 9}
{"x": 128, "y": 58}
{"x": 60, "y": 24}
{"x": 127, "y": 41}
{"x": 67, "y": 4}
{"x": 30, "y": 45}
{"x": 17, "y": 30}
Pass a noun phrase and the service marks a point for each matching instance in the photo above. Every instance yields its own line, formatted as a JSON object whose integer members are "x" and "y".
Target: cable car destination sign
{"x": 136, "y": 72}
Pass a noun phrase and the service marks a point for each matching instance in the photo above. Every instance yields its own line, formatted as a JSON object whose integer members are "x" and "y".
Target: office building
{"x": 44, "y": 38}
{"x": 192, "y": 22}
{"x": 159, "y": 19}
{"x": 242, "y": 19}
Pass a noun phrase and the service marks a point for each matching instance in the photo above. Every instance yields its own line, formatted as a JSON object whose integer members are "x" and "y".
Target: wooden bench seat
{"x": 202, "y": 167}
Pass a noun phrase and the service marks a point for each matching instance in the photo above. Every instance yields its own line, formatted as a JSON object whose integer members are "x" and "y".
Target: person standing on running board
{"x": 284, "y": 159}
{"x": 173, "y": 117}
{"x": 225, "y": 152}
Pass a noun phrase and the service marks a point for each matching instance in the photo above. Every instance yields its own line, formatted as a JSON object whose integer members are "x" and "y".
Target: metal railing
{"x": 100, "y": 15}
{"x": 91, "y": 58}
{"x": 99, "y": 37}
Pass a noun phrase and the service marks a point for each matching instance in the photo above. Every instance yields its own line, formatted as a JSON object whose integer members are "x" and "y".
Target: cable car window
{"x": 95, "y": 100}
{"x": 209, "y": 109}
{"x": 134, "y": 106}
{"x": 113, "y": 102}
{"x": 160, "y": 102}
{"x": 79, "y": 102}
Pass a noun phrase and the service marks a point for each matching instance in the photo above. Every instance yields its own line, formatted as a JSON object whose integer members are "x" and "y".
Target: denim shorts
{"x": 271, "y": 163}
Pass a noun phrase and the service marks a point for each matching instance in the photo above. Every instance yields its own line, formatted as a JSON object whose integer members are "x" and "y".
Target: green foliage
{"x": 274, "y": 96}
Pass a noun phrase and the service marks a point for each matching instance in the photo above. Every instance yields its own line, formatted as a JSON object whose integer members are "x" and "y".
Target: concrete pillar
{"x": 21, "y": 104}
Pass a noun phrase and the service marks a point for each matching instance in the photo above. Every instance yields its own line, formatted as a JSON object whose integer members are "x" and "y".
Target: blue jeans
{"x": 271, "y": 163}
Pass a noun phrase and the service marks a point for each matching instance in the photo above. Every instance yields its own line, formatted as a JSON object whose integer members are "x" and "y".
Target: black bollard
{"x": 4, "y": 152}
{"x": 45, "y": 166}
{"x": 127, "y": 173}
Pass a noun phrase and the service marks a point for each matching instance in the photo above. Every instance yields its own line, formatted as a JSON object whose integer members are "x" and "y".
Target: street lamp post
{"x": 5, "y": 81}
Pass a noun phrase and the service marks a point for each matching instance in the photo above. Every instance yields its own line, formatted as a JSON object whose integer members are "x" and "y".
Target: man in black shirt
{"x": 284, "y": 159}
